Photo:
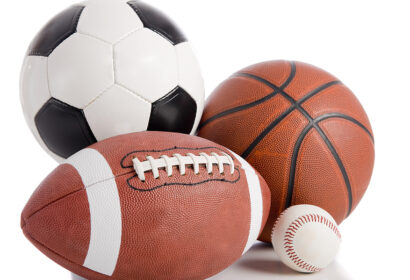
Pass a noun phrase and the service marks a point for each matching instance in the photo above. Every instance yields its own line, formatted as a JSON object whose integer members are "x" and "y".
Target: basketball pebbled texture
{"x": 94, "y": 216}
{"x": 301, "y": 128}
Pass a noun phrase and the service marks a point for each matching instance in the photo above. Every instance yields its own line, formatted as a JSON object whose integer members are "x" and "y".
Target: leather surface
{"x": 131, "y": 113}
{"x": 158, "y": 22}
{"x": 175, "y": 112}
{"x": 190, "y": 79}
{"x": 90, "y": 52}
{"x": 337, "y": 99}
{"x": 108, "y": 20}
{"x": 146, "y": 64}
{"x": 274, "y": 160}
{"x": 63, "y": 128}
{"x": 317, "y": 159}
{"x": 34, "y": 93}
{"x": 58, "y": 211}
{"x": 80, "y": 70}
{"x": 56, "y": 31}
{"x": 356, "y": 150}
{"x": 328, "y": 163}
{"x": 251, "y": 125}
{"x": 179, "y": 227}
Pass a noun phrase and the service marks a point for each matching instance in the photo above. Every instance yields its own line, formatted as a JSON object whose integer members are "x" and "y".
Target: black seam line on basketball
{"x": 339, "y": 163}
{"x": 334, "y": 153}
{"x": 295, "y": 105}
{"x": 286, "y": 95}
{"x": 239, "y": 108}
{"x": 291, "y": 75}
{"x": 269, "y": 84}
{"x": 346, "y": 117}
{"x": 299, "y": 142}
{"x": 252, "y": 104}
{"x": 183, "y": 184}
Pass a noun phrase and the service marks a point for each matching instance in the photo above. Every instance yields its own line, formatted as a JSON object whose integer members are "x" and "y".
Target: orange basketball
{"x": 301, "y": 128}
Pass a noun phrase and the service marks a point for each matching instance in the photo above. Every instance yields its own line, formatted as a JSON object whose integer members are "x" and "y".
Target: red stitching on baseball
{"x": 294, "y": 227}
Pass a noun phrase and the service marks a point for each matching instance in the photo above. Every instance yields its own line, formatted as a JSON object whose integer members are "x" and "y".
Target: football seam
{"x": 128, "y": 173}
{"x": 74, "y": 192}
{"x": 288, "y": 241}
{"x": 50, "y": 203}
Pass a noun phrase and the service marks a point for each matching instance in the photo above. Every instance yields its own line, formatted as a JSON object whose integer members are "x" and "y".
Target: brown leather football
{"x": 149, "y": 205}
{"x": 301, "y": 128}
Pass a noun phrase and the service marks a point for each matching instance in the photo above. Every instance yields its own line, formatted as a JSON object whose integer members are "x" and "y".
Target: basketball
{"x": 301, "y": 128}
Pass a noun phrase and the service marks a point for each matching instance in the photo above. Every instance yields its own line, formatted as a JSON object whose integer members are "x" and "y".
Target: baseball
{"x": 306, "y": 238}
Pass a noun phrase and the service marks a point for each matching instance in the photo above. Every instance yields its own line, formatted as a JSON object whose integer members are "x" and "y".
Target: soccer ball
{"x": 107, "y": 67}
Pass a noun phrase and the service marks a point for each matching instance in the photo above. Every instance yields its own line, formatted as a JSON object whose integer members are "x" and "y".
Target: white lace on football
{"x": 167, "y": 163}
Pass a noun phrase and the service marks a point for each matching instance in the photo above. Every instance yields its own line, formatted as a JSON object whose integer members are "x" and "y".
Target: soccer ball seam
{"x": 132, "y": 92}
{"x": 93, "y": 36}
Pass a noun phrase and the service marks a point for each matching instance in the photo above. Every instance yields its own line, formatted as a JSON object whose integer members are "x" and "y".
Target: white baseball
{"x": 306, "y": 238}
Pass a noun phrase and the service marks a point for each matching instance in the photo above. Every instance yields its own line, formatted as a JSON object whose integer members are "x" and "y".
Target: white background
{"x": 364, "y": 43}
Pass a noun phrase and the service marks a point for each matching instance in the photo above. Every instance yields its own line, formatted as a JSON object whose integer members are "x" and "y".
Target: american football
{"x": 154, "y": 178}
{"x": 148, "y": 205}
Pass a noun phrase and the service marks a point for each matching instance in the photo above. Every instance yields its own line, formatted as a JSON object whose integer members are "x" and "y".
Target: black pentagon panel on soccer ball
{"x": 63, "y": 128}
{"x": 175, "y": 112}
{"x": 56, "y": 31}
{"x": 158, "y": 22}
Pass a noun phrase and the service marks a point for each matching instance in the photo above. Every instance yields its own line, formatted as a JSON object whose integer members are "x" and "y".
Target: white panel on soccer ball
{"x": 34, "y": 93}
{"x": 190, "y": 78}
{"x": 117, "y": 111}
{"x": 146, "y": 63}
{"x": 80, "y": 69}
{"x": 111, "y": 27}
